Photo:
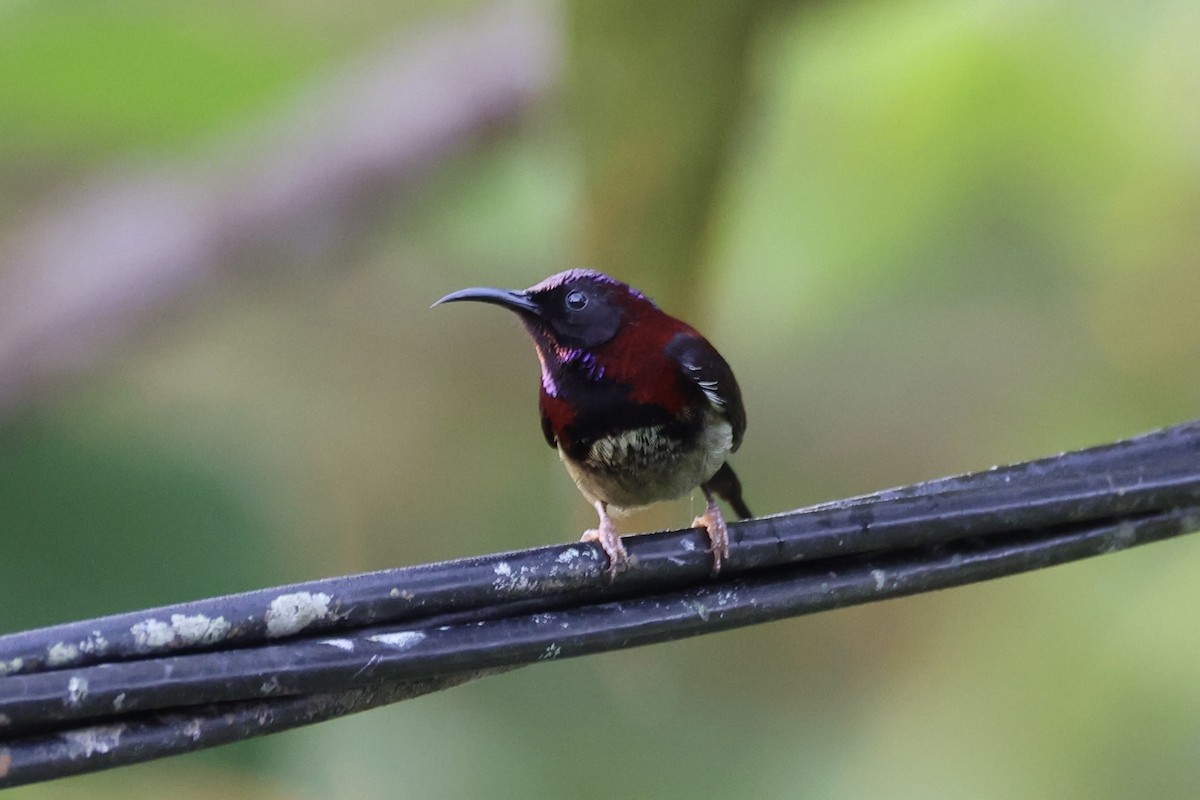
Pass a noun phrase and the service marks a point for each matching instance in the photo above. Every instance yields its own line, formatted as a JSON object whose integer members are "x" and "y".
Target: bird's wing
{"x": 547, "y": 427}
{"x": 703, "y": 366}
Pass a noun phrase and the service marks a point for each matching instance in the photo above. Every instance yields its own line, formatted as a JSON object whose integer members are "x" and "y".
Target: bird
{"x": 640, "y": 407}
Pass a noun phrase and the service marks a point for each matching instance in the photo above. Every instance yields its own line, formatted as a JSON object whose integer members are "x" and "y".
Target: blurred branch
{"x": 91, "y": 695}
{"x": 92, "y": 267}
{"x": 658, "y": 134}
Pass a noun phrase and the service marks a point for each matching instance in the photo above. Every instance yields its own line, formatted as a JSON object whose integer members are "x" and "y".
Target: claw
{"x": 713, "y": 522}
{"x": 610, "y": 542}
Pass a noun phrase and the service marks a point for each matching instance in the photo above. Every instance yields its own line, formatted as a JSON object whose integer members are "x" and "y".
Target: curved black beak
{"x": 512, "y": 300}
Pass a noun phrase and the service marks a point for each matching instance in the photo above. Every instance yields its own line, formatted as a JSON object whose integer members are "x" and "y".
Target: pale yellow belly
{"x": 639, "y": 467}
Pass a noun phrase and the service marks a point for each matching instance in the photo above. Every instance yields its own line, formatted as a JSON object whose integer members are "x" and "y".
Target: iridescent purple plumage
{"x": 591, "y": 275}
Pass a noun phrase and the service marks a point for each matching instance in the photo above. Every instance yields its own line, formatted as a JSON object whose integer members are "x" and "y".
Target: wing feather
{"x": 704, "y": 367}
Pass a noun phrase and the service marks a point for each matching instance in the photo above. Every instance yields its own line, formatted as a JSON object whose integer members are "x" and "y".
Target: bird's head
{"x": 575, "y": 317}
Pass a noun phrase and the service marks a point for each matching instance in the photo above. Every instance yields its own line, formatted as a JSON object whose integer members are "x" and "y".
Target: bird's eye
{"x": 576, "y": 300}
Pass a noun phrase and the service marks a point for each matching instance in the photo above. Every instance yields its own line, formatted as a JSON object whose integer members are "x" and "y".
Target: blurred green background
{"x": 930, "y": 236}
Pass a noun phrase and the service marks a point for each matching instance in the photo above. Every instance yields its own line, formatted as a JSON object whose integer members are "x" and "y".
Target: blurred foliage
{"x": 65, "y": 496}
{"x": 99, "y": 79}
{"x": 930, "y": 236}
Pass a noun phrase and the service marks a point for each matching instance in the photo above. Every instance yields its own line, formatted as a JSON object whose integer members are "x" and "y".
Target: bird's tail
{"x": 726, "y": 484}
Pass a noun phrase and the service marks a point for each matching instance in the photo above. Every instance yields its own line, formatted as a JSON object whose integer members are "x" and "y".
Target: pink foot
{"x": 610, "y": 541}
{"x": 718, "y": 534}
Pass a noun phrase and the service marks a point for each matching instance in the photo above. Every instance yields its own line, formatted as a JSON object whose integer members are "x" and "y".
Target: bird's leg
{"x": 714, "y": 523}
{"x": 608, "y": 538}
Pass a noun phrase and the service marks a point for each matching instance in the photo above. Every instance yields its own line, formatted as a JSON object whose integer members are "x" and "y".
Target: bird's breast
{"x": 639, "y": 466}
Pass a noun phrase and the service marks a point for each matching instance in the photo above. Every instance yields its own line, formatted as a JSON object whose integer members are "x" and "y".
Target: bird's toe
{"x": 610, "y": 542}
{"x": 713, "y": 522}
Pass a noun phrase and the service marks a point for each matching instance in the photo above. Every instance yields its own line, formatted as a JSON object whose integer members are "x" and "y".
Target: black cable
{"x": 1156, "y": 470}
{"x": 393, "y": 634}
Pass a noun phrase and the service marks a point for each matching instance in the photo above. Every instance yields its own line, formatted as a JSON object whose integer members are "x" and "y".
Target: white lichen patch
{"x": 340, "y": 644}
{"x": 551, "y": 652}
{"x": 508, "y": 580}
{"x": 152, "y": 634}
{"x": 118, "y": 703}
{"x": 4, "y": 720}
{"x": 181, "y": 631}
{"x": 11, "y": 666}
{"x": 89, "y": 741}
{"x": 688, "y": 545}
{"x": 193, "y": 730}
{"x": 292, "y": 613}
{"x": 700, "y": 609}
{"x": 199, "y": 629}
{"x": 77, "y": 689}
{"x": 62, "y": 653}
{"x": 568, "y": 555}
{"x": 400, "y": 640}
{"x": 880, "y": 579}
{"x": 96, "y": 643}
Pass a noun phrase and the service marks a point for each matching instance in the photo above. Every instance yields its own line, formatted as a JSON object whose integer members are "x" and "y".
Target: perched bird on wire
{"x": 639, "y": 405}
